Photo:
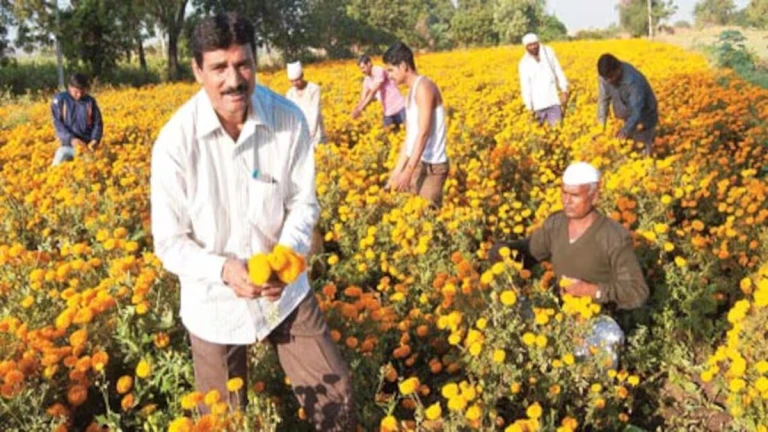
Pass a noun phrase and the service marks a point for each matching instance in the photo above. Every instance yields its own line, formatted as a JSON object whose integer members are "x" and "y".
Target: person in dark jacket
{"x": 76, "y": 118}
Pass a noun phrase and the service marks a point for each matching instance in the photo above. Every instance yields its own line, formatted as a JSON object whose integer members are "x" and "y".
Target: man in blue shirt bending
{"x": 77, "y": 119}
{"x": 632, "y": 98}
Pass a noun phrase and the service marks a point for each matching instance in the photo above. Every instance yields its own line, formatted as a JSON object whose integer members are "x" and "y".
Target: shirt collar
{"x": 208, "y": 120}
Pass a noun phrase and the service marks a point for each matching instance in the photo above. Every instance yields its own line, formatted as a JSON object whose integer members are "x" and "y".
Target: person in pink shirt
{"x": 378, "y": 85}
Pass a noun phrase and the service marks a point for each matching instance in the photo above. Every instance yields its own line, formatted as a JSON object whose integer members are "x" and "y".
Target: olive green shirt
{"x": 602, "y": 255}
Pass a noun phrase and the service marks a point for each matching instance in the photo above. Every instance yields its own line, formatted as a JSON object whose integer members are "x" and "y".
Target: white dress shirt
{"x": 539, "y": 80}
{"x": 308, "y": 100}
{"x": 213, "y": 198}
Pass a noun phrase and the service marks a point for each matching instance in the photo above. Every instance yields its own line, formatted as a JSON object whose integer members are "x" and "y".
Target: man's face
{"x": 397, "y": 73}
{"x": 76, "y": 92}
{"x": 298, "y": 83}
{"x": 578, "y": 201}
{"x": 366, "y": 68}
{"x": 614, "y": 77}
{"x": 228, "y": 77}
{"x": 533, "y": 48}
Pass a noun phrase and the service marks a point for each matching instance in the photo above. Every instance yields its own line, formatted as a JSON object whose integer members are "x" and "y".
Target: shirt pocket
{"x": 266, "y": 209}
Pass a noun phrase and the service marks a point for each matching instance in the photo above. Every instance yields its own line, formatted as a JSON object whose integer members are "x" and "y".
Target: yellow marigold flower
{"x": 259, "y": 269}
{"x": 762, "y": 366}
{"x": 220, "y": 408}
{"x": 475, "y": 349}
{"x": 191, "y": 400}
{"x": 499, "y": 356}
{"x": 529, "y": 339}
{"x": 737, "y": 384}
{"x": 508, "y": 298}
{"x": 212, "y": 397}
{"x": 596, "y": 388}
{"x": 541, "y": 341}
{"x": 450, "y": 390}
{"x": 680, "y": 261}
{"x": 497, "y": 268}
{"x": 434, "y": 411}
{"x": 633, "y": 380}
{"x": 457, "y": 404}
{"x": 533, "y": 411}
{"x": 762, "y": 384}
{"x": 333, "y": 259}
{"x": 409, "y": 386}
{"x": 181, "y": 424}
{"x": 143, "y": 369}
{"x": 473, "y": 413}
{"x": 568, "y": 359}
{"x": 486, "y": 278}
{"x": 27, "y": 302}
{"x": 235, "y": 384}
{"x": 481, "y": 323}
{"x": 389, "y": 423}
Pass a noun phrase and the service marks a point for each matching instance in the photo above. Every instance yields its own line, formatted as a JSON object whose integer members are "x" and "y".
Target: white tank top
{"x": 434, "y": 150}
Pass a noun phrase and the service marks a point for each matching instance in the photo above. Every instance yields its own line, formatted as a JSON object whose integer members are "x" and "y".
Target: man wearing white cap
{"x": 307, "y": 96}
{"x": 588, "y": 249}
{"x": 540, "y": 78}
{"x": 591, "y": 254}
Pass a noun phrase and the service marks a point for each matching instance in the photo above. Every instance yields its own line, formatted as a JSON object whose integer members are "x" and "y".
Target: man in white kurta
{"x": 306, "y": 95}
{"x": 232, "y": 175}
{"x": 540, "y": 78}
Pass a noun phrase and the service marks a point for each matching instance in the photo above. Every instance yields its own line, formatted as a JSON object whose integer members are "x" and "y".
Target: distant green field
{"x": 757, "y": 40}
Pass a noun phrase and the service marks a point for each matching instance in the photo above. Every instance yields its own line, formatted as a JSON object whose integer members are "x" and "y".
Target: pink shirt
{"x": 388, "y": 94}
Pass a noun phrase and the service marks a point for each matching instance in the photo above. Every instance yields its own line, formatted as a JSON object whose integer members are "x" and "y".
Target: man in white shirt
{"x": 540, "y": 77}
{"x": 307, "y": 96}
{"x": 232, "y": 175}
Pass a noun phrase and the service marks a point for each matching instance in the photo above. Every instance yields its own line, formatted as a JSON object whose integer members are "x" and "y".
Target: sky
{"x": 582, "y": 14}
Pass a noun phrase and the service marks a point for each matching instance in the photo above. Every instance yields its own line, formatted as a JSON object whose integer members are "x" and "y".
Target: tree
{"x": 633, "y": 15}
{"x": 39, "y": 24}
{"x": 512, "y": 19}
{"x": 6, "y": 20}
{"x": 412, "y": 21}
{"x": 170, "y": 15}
{"x": 757, "y": 12}
{"x": 552, "y": 29}
{"x": 714, "y": 12}
{"x": 90, "y": 34}
{"x": 472, "y": 24}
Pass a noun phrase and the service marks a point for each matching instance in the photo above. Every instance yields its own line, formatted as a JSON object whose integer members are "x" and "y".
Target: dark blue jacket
{"x": 76, "y": 119}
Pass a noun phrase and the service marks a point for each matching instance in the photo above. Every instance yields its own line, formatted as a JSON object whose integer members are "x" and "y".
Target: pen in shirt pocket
{"x": 263, "y": 177}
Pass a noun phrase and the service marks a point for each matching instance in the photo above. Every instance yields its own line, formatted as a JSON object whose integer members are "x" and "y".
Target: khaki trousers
{"x": 428, "y": 182}
{"x": 309, "y": 357}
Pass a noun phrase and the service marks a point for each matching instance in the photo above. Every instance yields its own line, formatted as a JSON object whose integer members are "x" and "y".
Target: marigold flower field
{"x": 436, "y": 336}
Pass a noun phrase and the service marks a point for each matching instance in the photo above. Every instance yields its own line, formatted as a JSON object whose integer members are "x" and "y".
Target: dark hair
{"x": 607, "y": 64}
{"x": 398, "y": 54}
{"x": 363, "y": 59}
{"x": 79, "y": 80}
{"x": 221, "y": 31}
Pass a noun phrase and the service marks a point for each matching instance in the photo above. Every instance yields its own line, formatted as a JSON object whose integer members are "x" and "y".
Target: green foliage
{"x": 552, "y": 29}
{"x": 514, "y": 18}
{"x": 472, "y": 24}
{"x": 757, "y": 11}
{"x": 633, "y": 15}
{"x": 608, "y": 33}
{"x": 731, "y": 52}
{"x": 90, "y": 37}
{"x": 714, "y": 12}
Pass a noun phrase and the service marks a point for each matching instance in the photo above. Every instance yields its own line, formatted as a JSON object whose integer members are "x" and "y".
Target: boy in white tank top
{"x": 422, "y": 166}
